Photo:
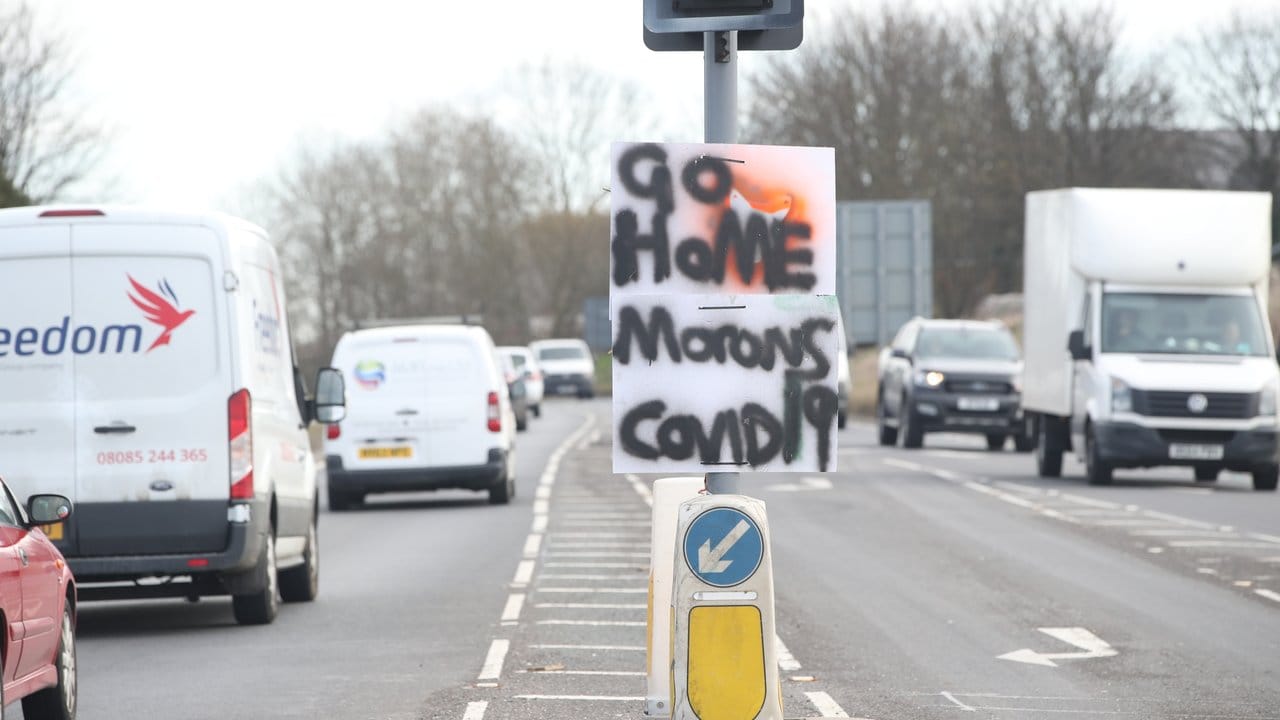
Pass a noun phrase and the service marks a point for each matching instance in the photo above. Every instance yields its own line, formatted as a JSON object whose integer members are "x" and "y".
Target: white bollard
{"x": 725, "y": 660}
{"x": 668, "y": 494}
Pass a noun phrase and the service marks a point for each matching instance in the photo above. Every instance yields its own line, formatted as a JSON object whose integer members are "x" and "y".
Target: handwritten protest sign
{"x": 725, "y": 324}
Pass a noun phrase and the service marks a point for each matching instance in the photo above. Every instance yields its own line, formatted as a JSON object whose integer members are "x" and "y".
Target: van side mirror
{"x": 1076, "y": 346}
{"x": 48, "y": 509}
{"x": 900, "y": 353}
{"x": 331, "y": 396}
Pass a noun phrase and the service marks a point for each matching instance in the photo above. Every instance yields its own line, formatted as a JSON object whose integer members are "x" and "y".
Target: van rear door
{"x": 37, "y": 373}
{"x": 386, "y": 423}
{"x": 459, "y": 382}
{"x": 153, "y": 381}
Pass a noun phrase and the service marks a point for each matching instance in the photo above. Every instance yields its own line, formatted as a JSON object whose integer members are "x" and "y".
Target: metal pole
{"x": 720, "y": 125}
{"x": 720, "y": 87}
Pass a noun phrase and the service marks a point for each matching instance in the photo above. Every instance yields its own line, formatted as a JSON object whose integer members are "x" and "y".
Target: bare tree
{"x": 45, "y": 144}
{"x": 1235, "y": 68}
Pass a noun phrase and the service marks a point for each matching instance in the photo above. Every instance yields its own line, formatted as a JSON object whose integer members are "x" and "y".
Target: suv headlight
{"x": 1268, "y": 402}
{"x": 929, "y": 378}
{"x": 1121, "y": 396}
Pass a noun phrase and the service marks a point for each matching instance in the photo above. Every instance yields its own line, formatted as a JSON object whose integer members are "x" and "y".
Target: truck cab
{"x": 1146, "y": 332}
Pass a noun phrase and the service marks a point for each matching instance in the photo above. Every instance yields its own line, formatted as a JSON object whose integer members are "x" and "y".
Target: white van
{"x": 428, "y": 409}
{"x": 147, "y": 374}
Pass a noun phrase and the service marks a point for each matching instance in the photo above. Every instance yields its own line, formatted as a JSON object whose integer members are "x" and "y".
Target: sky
{"x": 202, "y": 99}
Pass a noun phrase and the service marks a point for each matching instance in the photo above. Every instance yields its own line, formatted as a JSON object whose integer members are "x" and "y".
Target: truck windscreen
{"x": 1182, "y": 324}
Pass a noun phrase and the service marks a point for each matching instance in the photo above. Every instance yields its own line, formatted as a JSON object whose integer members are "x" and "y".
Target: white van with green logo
{"x": 428, "y": 409}
{"x": 148, "y": 375}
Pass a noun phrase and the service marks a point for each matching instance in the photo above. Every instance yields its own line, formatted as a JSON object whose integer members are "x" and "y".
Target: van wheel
{"x": 302, "y": 583}
{"x": 340, "y": 500}
{"x": 995, "y": 442}
{"x": 1264, "y": 478}
{"x": 502, "y": 493}
{"x": 57, "y": 702}
{"x": 261, "y": 607}
{"x": 1097, "y": 470}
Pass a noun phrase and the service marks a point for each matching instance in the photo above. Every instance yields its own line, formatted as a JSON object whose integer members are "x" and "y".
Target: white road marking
{"x": 786, "y": 661}
{"x": 609, "y": 524}
{"x": 539, "y": 524}
{"x": 902, "y": 464}
{"x": 1243, "y": 544}
{"x": 531, "y": 545}
{"x": 593, "y": 606}
{"x": 595, "y": 623}
{"x": 617, "y": 536}
{"x": 492, "y": 669}
{"x": 826, "y": 705}
{"x": 806, "y": 484}
{"x": 597, "y": 554}
{"x": 542, "y": 493}
{"x": 1265, "y": 537}
{"x": 515, "y": 603}
{"x": 1093, "y": 502}
{"x": 635, "y": 591}
{"x": 618, "y": 648}
{"x": 597, "y": 565}
{"x": 957, "y": 703}
{"x": 609, "y": 673}
{"x": 946, "y": 475}
{"x": 1177, "y": 519}
{"x": 586, "y": 698}
{"x": 1268, "y": 594}
{"x": 1091, "y": 646}
{"x": 1179, "y": 532}
{"x": 956, "y": 454}
{"x": 540, "y": 507}
{"x": 596, "y": 545}
{"x": 589, "y": 577}
{"x": 592, "y": 515}
{"x": 475, "y": 710}
{"x": 524, "y": 573}
{"x": 642, "y": 489}
{"x": 1018, "y": 487}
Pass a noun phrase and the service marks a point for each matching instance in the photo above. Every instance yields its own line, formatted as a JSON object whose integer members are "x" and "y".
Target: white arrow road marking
{"x": 712, "y": 561}
{"x": 1091, "y": 645}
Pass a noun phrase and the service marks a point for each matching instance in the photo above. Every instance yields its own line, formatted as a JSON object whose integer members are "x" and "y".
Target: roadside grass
{"x": 604, "y": 374}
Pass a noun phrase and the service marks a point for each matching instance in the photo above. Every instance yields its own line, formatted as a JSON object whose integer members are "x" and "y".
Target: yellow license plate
{"x": 382, "y": 453}
{"x": 53, "y": 532}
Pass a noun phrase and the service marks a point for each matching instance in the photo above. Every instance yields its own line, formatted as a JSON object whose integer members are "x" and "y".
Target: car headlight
{"x": 929, "y": 378}
{"x": 1121, "y": 396}
{"x": 1268, "y": 402}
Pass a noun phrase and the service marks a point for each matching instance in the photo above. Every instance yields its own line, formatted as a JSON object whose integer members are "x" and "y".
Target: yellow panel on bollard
{"x": 668, "y": 494}
{"x": 724, "y": 662}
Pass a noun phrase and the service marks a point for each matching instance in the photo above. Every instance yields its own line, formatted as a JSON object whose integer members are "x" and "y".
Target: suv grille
{"x": 985, "y": 387}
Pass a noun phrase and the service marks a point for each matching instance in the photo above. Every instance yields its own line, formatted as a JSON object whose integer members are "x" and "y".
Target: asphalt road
{"x": 901, "y": 580}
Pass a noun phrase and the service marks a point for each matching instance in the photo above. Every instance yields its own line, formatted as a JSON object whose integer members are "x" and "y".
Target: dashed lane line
{"x": 475, "y": 710}
{"x": 493, "y": 661}
{"x": 1268, "y": 594}
{"x": 515, "y": 603}
{"x": 826, "y": 705}
{"x": 786, "y": 661}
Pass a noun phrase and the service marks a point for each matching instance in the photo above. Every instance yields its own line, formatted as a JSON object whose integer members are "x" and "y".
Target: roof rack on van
{"x": 429, "y": 320}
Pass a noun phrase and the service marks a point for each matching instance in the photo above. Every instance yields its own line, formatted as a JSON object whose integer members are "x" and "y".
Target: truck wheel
{"x": 912, "y": 433}
{"x": 57, "y": 702}
{"x": 888, "y": 435}
{"x": 1049, "y": 449}
{"x": 995, "y": 442}
{"x": 1264, "y": 478}
{"x": 261, "y": 607}
{"x": 1207, "y": 473}
{"x": 1097, "y": 470}
{"x": 302, "y": 583}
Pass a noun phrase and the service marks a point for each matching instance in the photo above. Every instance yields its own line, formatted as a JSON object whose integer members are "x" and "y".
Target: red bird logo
{"x": 159, "y": 310}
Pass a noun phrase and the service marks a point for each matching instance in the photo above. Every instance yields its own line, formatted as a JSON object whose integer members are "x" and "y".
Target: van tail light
{"x": 495, "y": 413}
{"x": 240, "y": 441}
{"x": 333, "y": 432}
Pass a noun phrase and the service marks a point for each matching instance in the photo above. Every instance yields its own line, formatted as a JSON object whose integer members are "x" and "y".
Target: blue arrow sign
{"x": 723, "y": 547}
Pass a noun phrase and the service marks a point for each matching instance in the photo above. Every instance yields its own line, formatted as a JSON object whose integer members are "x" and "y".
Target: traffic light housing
{"x": 682, "y": 16}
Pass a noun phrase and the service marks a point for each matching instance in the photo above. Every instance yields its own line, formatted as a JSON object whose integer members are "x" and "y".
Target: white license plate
{"x": 1183, "y": 451}
{"x": 978, "y": 404}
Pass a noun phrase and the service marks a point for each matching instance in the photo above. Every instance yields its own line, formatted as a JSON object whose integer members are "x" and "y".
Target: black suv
{"x": 951, "y": 376}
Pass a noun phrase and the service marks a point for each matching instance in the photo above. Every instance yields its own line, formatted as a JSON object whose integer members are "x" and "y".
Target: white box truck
{"x": 147, "y": 374}
{"x": 1146, "y": 335}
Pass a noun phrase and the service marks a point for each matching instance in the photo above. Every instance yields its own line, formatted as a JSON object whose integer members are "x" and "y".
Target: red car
{"x": 37, "y": 609}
